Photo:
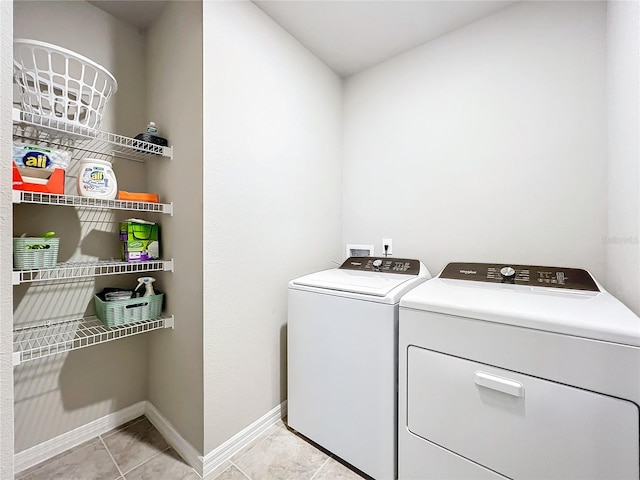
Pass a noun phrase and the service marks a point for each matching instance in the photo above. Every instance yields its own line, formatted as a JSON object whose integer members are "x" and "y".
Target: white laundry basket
{"x": 56, "y": 82}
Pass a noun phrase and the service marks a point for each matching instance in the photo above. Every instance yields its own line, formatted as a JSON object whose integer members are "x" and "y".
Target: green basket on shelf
{"x": 121, "y": 312}
{"x": 31, "y": 253}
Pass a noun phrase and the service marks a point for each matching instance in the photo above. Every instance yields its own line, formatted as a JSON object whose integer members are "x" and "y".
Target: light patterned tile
{"x": 256, "y": 441}
{"x": 334, "y": 470}
{"x": 282, "y": 456}
{"x": 28, "y": 471}
{"x": 91, "y": 460}
{"x": 119, "y": 428}
{"x": 230, "y": 473}
{"x": 221, "y": 468}
{"x": 167, "y": 465}
{"x": 135, "y": 445}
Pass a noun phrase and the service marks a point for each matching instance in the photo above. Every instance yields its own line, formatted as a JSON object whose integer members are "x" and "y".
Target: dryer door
{"x": 517, "y": 425}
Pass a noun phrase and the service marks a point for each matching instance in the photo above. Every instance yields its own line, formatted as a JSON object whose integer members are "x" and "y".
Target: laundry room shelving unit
{"x": 50, "y": 338}
{"x": 20, "y": 196}
{"x": 76, "y": 270}
{"x": 31, "y": 343}
{"x": 53, "y": 131}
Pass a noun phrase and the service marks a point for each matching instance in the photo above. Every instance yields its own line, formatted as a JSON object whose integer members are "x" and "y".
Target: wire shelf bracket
{"x": 31, "y": 343}
{"x": 75, "y": 270}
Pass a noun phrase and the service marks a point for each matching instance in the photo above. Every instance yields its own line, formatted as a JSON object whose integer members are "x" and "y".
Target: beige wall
{"x": 174, "y": 89}
{"x": 62, "y": 392}
{"x": 6, "y": 257}
{"x": 489, "y": 142}
{"x": 623, "y": 75}
{"x": 272, "y": 189}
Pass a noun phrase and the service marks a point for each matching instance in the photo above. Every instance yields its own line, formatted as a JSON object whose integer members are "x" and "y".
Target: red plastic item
{"x": 55, "y": 182}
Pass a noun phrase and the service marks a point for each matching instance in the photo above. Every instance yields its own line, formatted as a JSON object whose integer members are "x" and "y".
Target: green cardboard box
{"x": 140, "y": 240}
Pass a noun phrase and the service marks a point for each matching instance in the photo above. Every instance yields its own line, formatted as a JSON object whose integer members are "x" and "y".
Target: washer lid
{"x": 376, "y": 284}
{"x": 376, "y": 279}
{"x": 588, "y": 314}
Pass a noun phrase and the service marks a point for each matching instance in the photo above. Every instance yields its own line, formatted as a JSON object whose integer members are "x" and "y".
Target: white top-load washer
{"x": 342, "y": 358}
{"x": 517, "y": 372}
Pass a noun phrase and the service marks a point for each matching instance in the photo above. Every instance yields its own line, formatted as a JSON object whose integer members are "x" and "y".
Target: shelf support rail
{"x": 20, "y": 196}
{"x": 78, "y": 270}
{"x": 55, "y": 131}
{"x": 31, "y": 343}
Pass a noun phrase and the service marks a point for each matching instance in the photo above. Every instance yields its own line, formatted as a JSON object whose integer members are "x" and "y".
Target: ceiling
{"x": 139, "y": 13}
{"x": 348, "y": 35}
{"x": 352, "y": 35}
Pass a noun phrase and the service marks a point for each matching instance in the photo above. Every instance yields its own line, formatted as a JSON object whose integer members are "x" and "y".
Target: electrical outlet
{"x": 387, "y": 246}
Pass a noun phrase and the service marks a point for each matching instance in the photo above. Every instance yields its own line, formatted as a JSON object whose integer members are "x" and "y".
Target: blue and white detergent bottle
{"x": 96, "y": 179}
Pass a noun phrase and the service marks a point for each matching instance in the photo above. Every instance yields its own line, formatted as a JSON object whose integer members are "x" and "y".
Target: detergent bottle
{"x": 96, "y": 179}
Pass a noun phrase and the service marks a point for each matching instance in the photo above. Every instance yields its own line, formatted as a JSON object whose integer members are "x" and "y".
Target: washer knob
{"x": 508, "y": 274}
{"x": 377, "y": 263}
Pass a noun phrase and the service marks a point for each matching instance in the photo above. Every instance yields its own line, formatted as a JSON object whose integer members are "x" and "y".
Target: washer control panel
{"x": 382, "y": 264}
{"x": 529, "y": 275}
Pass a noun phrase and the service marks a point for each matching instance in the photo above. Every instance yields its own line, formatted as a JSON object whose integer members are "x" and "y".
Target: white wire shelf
{"x": 20, "y": 196}
{"x": 31, "y": 343}
{"x": 73, "y": 270}
{"x": 56, "y": 132}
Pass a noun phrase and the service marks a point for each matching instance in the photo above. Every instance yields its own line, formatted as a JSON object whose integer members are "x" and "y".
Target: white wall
{"x": 272, "y": 188}
{"x": 486, "y": 144}
{"x": 62, "y": 392}
{"x": 6, "y": 248}
{"x": 623, "y": 75}
{"x": 174, "y": 91}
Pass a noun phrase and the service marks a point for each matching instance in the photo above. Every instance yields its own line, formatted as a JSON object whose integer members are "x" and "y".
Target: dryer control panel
{"x": 529, "y": 275}
{"x": 382, "y": 264}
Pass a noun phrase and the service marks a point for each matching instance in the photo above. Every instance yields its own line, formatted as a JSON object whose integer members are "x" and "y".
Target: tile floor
{"x": 136, "y": 451}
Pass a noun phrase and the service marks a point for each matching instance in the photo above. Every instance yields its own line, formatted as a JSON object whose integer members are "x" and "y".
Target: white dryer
{"x": 342, "y": 342}
{"x": 521, "y": 372}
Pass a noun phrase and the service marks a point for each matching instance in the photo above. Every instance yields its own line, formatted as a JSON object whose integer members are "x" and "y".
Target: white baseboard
{"x": 201, "y": 464}
{"x": 224, "y": 452}
{"x": 45, "y": 450}
{"x": 187, "y": 451}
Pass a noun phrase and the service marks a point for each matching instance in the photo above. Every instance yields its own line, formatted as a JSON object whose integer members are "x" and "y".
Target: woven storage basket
{"x": 35, "y": 252}
{"x": 56, "y": 82}
{"x": 122, "y": 312}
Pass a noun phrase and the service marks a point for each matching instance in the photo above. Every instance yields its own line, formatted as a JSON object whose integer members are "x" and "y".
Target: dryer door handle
{"x": 504, "y": 385}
